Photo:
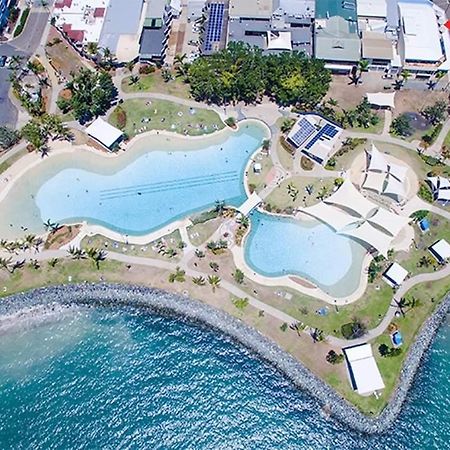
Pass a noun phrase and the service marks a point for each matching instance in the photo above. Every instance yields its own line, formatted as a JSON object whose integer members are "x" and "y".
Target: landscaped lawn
{"x": 373, "y": 129}
{"x": 258, "y": 180}
{"x": 201, "y": 232}
{"x": 144, "y": 115}
{"x": 10, "y": 161}
{"x": 154, "y": 83}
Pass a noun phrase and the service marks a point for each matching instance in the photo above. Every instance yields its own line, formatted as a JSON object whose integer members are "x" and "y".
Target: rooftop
{"x": 103, "y": 132}
{"x": 372, "y": 8}
{"x": 329, "y": 8}
{"x": 251, "y": 8}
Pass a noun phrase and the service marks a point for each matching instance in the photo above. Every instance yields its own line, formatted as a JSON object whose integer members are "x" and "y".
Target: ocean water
{"x": 107, "y": 379}
{"x": 278, "y": 246}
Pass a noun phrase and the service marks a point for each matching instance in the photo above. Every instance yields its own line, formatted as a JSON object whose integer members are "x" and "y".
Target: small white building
{"x": 441, "y": 251}
{"x": 365, "y": 376}
{"x": 104, "y": 133}
{"x": 395, "y": 275}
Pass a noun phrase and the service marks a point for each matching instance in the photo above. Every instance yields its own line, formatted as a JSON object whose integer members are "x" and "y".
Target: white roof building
{"x": 420, "y": 38}
{"x": 103, "y": 132}
{"x": 364, "y": 373}
{"x": 395, "y": 275}
{"x": 441, "y": 250}
{"x": 372, "y": 8}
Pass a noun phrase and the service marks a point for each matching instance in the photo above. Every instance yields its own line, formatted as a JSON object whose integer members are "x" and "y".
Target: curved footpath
{"x": 163, "y": 302}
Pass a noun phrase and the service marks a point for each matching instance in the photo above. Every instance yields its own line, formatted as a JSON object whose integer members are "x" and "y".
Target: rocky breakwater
{"x": 154, "y": 300}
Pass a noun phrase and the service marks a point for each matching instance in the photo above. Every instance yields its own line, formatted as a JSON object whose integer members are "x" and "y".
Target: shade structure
{"x": 374, "y": 181}
{"x": 439, "y": 183}
{"x": 398, "y": 171}
{"x": 103, "y": 132}
{"x": 394, "y": 188}
{"x": 395, "y": 274}
{"x": 364, "y": 373}
{"x": 348, "y": 197}
{"x": 334, "y": 217}
{"x": 443, "y": 195}
{"x": 390, "y": 222}
{"x": 372, "y": 236}
{"x": 383, "y": 99}
{"x": 441, "y": 250}
{"x": 377, "y": 161}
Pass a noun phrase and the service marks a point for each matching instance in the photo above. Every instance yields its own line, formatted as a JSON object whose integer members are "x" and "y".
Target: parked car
{"x": 3, "y": 61}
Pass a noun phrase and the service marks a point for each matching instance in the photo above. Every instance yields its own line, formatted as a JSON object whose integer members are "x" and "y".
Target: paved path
{"x": 387, "y": 122}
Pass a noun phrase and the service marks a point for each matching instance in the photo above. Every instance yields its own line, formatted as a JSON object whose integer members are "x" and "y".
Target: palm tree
{"x": 130, "y": 65}
{"x": 406, "y": 75}
{"x": 214, "y": 281}
{"x": 178, "y": 276}
{"x": 96, "y": 255}
{"x": 76, "y": 253}
{"x": 5, "y": 263}
{"x": 15, "y": 62}
{"x": 92, "y": 49}
{"x": 243, "y": 221}
{"x": 51, "y": 226}
{"x": 214, "y": 266}
{"x": 363, "y": 66}
{"x": 134, "y": 79}
{"x": 17, "y": 265}
{"x": 52, "y": 262}
{"x": 34, "y": 264}
{"x": 219, "y": 207}
{"x": 199, "y": 281}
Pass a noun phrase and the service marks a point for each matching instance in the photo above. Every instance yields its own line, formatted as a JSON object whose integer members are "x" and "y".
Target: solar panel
{"x": 306, "y": 129}
{"x": 327, "y": 131}
{"x": 215, "y": 25}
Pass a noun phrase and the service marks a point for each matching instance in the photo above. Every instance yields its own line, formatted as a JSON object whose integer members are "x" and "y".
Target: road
{"x": 24, "y": 45}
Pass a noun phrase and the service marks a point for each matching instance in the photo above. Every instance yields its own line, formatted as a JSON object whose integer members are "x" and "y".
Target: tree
{"x": 76, "y": 253}
{"x": 134, "y": 79}
{"x": 199, "y": 281}
{"x": 401, "y": 126}
{"x": 92, "y": 94}
{"x": 240, "y": 303}
{"x": 52, "y": 262}
{"x": 405, "y": 75}
{"x": 214, "y": 281}
{"x": 214, "y": 266}
{"x": 354, "y": 329}
{"x": 178, "y": 276}
{"x": 334, "y": 358}
{"x": 34, "y": 134}
{"x": 5, "y": 263}
{"x": 92, "y": 48}
{"x": 96, "y": 256}
{"x": 435, "y": 113}
{"x": 287, "y": 125}
{"x": 8, "y": 137}
{"x": 238, "y": 276}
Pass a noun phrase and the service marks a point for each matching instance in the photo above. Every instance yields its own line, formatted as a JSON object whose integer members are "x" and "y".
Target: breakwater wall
{"x": 161, "y": 302}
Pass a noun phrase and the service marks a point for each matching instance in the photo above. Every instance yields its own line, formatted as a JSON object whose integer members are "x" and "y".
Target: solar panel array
{"x": 306, "y": 129}
{"x": 215, "y": 25}
{"x": 328, "y": 132}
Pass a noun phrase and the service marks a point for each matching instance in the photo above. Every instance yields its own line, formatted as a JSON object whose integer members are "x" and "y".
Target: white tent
{"x": 395, "y": 275}
{"x": 441, "y": 250}
{"x": 374, "y": 181}
{"x": 398, "y": 171}
{"x": 392, "y": 223}
{"x": 103, "y": 132}
{"x": 374, "y": 237}
{"x": 347, "y": 196}
{"x": 279, "y": 41}
{"x": 334, "y": 217}
{"x": 377, "y": 162}
{"x": 443, "y": 195}
{"x": 395, "y": 188}
{"x": 365, "y": 375}
{"x": 383, "y": 99}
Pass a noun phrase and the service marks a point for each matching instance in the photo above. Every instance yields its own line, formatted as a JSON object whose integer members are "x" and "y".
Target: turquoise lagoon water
{"x": 278, "y": 246}
{"x": 161, "y": 180}
{"x": 103, "y": 379}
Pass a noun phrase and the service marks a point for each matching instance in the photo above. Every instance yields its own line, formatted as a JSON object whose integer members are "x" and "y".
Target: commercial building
{"x": 156, "y": 30}
{"x": 395, "y": 275}
{"x": 273, "y": 25}
{"x": 104, "y": 133}
{"x": 365, "y": 377}
{"x": 337, "y": 39}
{"x": 314, "y": 136}
{"x": 441, "y": 251}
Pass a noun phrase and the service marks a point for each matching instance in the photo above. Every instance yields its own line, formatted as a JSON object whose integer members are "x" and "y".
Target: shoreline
{"x": 166, "y": 303}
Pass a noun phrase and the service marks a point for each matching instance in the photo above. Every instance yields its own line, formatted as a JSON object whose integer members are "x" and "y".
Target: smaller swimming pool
{"x": 278, "y": 246}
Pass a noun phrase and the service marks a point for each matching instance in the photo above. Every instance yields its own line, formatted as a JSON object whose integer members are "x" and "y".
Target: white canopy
{"x": 103, "y": 132}
{"x": 439, "y": 183}
{"x": 392, "y": 223}
{"x": 394, "y": 187}
{"x": 334, "y": 217}
{"x": 443, "y": 195}
{"x": 377, "y": 162}
{"x": 441, "y": 250}
{"x": 347, "y": 196}
{"x": 279, "y": 41}
{"x": 385, "y": 99}
{"x": 364, "y": 369}
{"x": 395, "y": 275}
{"x": 398, "y": 171}
{"x": 374, "y": 237}
{"x": 374, "y": 181}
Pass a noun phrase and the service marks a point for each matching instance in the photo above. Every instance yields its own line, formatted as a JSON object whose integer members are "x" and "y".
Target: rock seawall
{"x": 167, "y": 303}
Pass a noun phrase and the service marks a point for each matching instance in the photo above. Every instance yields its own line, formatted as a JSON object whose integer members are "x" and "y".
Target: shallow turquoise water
{"x": 122, "y": 379}
{"x": 157, "y": 188}
{"x": 278, "y": 246}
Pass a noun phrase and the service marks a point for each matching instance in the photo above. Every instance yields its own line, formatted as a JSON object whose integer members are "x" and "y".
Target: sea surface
{"x": 107, "y": 379}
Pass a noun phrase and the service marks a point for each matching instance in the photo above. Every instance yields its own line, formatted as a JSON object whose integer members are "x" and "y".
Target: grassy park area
{"x": 138, "y": 116}
{"x": 154, "y": 82}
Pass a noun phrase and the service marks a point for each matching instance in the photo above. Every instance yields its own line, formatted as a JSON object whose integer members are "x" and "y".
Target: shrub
{"x": 306, "y": 163}
{"x": 238, "y": 276}
{"x": 334, "y": 358}
{"x": 231, "y": 122}
{"x": 353, "y": 330}
{"x": 425, "y": 193}
{"x": 22, "y": 22}
{"x": 240, "y": 303}
{"x": 284, "y": 327}
{"x": 146, "y": 69}
{"x": 121, "y": 117}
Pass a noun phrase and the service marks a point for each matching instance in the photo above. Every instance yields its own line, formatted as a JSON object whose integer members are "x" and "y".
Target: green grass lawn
{"x": 201, "y": 232}
{"x": 10, "y": 161}
{"x": 281, "y": 199}
{"x": 257, "y": 180}
{"x": 165, "y": 115}
{"x": 373, "y": 129}
{"x": 154, "y": 83}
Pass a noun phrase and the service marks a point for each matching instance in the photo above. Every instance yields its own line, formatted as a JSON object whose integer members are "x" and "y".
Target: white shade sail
{"x": 398, "y": 171}
{"x": 392, "y": 223}
{"x": 394, "y": 187}
{"x": 333, "y": 217}
{"x": 377, "y": 161}
{"x": 374, "y": 181}
{"x": 384, "y": 99}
